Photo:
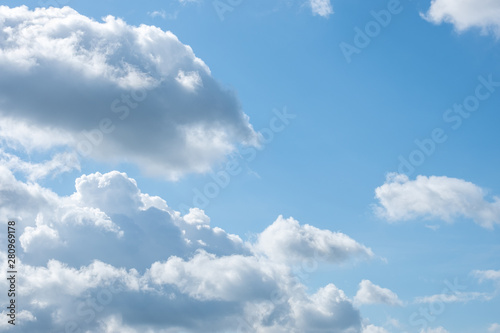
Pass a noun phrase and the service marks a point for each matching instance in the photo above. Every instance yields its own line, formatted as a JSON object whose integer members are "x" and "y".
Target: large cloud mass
{"x": 109, "y": 258}
{"x": 114, "y": 92}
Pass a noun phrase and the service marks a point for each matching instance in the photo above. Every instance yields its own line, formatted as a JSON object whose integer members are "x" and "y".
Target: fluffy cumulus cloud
{"x": 112, "y": 92}
{"x": 288, "y": 241}
{"x": 370, "y": 293}
{"x": 466, "y": 14}
{"x": 435, "y": 197}
{"x": 321, "y": 7}
{"x": 109, "y": 258}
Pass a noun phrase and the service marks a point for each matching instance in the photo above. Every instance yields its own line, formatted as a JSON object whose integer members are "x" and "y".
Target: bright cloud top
{"x": 115, "y": 92}
{"x": 435, "y": 197}
{"x": 288, "y": 241}
{"x": 370, "y": 293}
{"x": 466, "y": 14}
{"x": 103, "y": 257}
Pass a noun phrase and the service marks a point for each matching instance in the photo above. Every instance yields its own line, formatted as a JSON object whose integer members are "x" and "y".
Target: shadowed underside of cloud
{"x": 110, "y": 258}
{"x": 466, "y": 14}
{"x": 435, "y": 197}
{"x": 114, "y": 92}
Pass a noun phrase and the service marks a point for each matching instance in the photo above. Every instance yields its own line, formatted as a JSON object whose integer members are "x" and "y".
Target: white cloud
{"x": 494, "y": 328}
{"x": 158, "y": 13}
{"x": 115, "y": 92}
{"x": 328, "y": 310}
{"x": 106, "y": 211}
{"x": 369, "y": 293}
{"x": 60, "y": 163}
{"x": 207, "y": 277}
{"x": 18, "y": 134}
{"x": 374, "y": 329}
{"x": 41, "y": 232}
{"x": 57, "y": 277}
{"x": 439, "y": 329}
{"x": 197, "y": 216}
{"x": 456, "y": 297}
{"x": 103, "y": 257}
{"x": 288, "y": 241}
{"x": 466, "y": 14}
{"x": 487, "y": 275}
{"x": 321, "y": 7}
{"x": 435, "y": 197}
{"x": 190, "y": 80}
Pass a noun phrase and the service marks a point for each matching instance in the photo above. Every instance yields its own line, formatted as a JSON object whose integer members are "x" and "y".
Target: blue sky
{"x": 348, "y": 150}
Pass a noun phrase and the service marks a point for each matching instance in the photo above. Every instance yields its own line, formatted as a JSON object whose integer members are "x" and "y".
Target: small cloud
{"x": 433, "y": 197}
{"x": 369, "y": 293}
{"x": 321, "y": 7}
{"x": 374, "y": 329}
{"x": 288, "y": 241}
{"x": 158, "y": 13}
{"x": 491, "y": 275}
{"x": 433, "y": 227}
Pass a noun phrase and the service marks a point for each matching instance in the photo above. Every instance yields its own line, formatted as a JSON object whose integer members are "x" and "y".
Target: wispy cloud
{"x": 158, "y": 13}
{"x": 457, "y": 297}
